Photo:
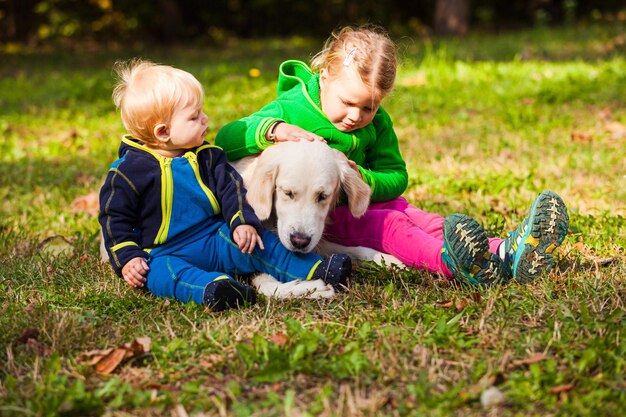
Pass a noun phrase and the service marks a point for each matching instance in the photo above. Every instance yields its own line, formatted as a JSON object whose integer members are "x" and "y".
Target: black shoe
{"x": 227, "y": 293}
{"x": 335, "y": 270}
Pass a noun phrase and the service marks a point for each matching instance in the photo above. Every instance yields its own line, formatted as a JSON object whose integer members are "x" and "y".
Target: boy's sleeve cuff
{"x": 238, "y": 220}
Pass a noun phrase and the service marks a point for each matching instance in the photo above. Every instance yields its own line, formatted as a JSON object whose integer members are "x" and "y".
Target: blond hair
{"x": 367, "y": 50}
{"x": 147, "y": 94}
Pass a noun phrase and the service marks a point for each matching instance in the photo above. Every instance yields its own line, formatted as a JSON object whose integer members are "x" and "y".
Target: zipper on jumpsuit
{"x": 166, "y": 199}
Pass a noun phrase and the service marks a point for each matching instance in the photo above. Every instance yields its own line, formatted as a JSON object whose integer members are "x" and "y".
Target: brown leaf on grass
{"x": 27, "y": 334}
{"x": 445, "y": 304}
{"x": 581, "y": 137}
{"x": 69, "y": 134}
{"x": 141, "y": 345}
{"x": 616, "y": 129}
{"x": 474, "y": 298}
{"x": 30, "y": 340}
{"x": 561, "y": 388}
{"x": 210, "y": 360}
{"x": 107, "y": 360}
{"x": 108, "y": 363}
{"x": 87, "y": 204}
{"x": 589, "y": 254}
{"x": 93, "y": 356}
{"x": 534, "y": 358}
{"x": 529, "y": 321}
{"x": 280, "y": 339}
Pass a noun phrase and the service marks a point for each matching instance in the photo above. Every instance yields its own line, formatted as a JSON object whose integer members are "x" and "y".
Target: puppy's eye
{"x": 289, "y": 194}
{"x": 321, "y": 197}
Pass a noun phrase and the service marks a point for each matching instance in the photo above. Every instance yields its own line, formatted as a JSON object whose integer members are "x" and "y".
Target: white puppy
{"x": 295, "y": 184}
{"x": 292, "y": 186}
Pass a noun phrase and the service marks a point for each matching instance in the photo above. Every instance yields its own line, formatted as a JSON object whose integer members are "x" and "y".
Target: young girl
{"x": 338, "y": 100}
{"x": 173, "y": 212}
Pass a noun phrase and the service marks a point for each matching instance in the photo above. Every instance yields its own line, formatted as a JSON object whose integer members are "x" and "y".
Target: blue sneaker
{"x": 466, "y": 252}
{"x": 528, "y": 249}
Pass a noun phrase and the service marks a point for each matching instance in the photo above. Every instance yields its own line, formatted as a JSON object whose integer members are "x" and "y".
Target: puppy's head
{"x": 300, "y": 182}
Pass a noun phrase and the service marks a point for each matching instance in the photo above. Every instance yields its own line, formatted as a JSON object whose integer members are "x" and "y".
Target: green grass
{"x": 485, "y": 124}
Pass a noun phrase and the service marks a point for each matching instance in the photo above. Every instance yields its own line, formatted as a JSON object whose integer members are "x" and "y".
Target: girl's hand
{"x": 286, "y": 132}
{"x": 246, "y": 237}
{"x": 134, "y": 272}
{"x": 350, "y": 162}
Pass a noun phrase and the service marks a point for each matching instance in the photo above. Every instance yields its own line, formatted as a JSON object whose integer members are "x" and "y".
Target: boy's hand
{"x": 134, "y": 272}
{"x": 246, "y": 237}
{"x": 286, "y": 132}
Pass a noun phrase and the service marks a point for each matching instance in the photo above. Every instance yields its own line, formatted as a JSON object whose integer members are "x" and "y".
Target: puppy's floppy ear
{"x": 261, "y": 185}
{"x": 357, "y": 191}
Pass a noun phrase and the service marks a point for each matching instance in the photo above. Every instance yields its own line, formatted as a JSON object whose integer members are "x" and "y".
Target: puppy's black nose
{"x": 299, "y": 240}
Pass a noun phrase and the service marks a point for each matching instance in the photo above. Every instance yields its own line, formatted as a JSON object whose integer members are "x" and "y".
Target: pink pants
{"x": 395, "y": 227}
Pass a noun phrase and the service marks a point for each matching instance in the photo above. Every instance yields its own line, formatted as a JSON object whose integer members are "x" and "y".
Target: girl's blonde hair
{"x": 147, "y": 94}
{"x": 367, "y": 50}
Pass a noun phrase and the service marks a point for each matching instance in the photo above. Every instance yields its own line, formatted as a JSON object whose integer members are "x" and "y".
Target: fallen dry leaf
{"x": 87, "y": 204}
{"x": 460, "y": 304}
{"x": 617, "y": 130}
{"x": 141, "y": 345}
{"x": 108, "y": 363}
{"x": 445, "y": 304}
{"x": 534, "y": 358}
{"x": 107, "y": 360}
{"x": 561, "y": 388}
{"x": 27, "y": 334}
{"x": 209, "y": 361}
{"x": 280, "y": 339}
{"x": 581, "y": 137}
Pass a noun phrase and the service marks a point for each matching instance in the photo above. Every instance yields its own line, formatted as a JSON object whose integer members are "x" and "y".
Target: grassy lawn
{"x": 485, "y": 124}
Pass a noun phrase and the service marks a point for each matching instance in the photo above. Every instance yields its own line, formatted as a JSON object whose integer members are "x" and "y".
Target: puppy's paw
{"x": 269, "y": 286}
{"x": 312, "y": 289}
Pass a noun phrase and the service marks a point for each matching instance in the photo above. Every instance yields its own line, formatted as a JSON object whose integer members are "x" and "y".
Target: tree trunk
{"x": 451, "y": 17}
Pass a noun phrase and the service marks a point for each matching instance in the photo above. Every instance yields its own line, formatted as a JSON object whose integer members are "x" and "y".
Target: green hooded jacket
{"x": 374, "y": 147}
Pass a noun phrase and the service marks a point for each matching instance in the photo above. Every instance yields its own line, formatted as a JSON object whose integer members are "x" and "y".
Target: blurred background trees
{"x": 40, "y": 22}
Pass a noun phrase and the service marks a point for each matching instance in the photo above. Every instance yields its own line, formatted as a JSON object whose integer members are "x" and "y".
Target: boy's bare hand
{"x": 246, "y": 237}
{"x": 134, "y": 272}
{"x": 287, "y": 132}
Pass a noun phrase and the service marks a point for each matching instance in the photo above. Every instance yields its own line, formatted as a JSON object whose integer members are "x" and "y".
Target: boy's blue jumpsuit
{"x": 179, "y": 214}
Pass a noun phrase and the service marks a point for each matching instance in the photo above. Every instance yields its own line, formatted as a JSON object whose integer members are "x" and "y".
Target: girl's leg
{"x": 430, "y": 223}
{"x": 390, "y": 231}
